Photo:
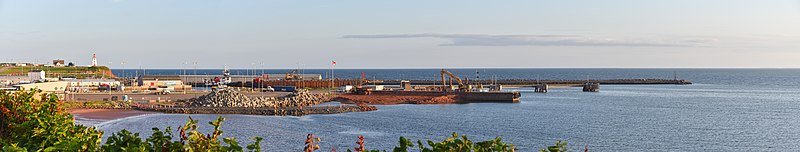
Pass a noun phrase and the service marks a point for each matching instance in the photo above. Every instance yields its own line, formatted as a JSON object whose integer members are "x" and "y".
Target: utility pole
{"x": 297, "y": 82}
{"x": 109, "y": 85}
{"x": 194, "y": 74}
{"x": 253, "y": 85}
{"x": 124, "y": 78}
{"x": 333, "y": 77}
{"x": 675, "y": 75}
{"x": 109, "y": 68}
{"x": 434, "y": 83}
{"x": 261, "y": 83}
{"x": 123, "y": 68}
{"x": 195, "y": 67}
{"x": 587, "y": 78}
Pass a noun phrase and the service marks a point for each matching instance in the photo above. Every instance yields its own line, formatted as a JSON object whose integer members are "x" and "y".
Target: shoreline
{"x": 108, "y": 114}
{"x": 103, "y": 115}
{"x": 288, "y": 111}
{"x": 395, "y": 99}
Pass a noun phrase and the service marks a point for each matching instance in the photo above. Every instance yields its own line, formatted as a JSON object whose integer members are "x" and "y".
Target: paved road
{"x": 172, "y": 97}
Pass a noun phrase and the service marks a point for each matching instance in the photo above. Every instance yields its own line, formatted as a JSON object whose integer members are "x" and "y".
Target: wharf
{"x": 287, "y": 111}
{"x": 461, "y": 97}
{"x": 533, "y": 82}
{"x": 428, "y": 97}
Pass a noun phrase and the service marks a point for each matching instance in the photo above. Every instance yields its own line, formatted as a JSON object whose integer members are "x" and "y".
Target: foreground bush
{"x": 34, "y": 121}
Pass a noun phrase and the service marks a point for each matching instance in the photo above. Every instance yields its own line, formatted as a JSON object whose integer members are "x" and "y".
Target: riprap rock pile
{"x": 296, "y": 99}
{"x": 231, "y": 98}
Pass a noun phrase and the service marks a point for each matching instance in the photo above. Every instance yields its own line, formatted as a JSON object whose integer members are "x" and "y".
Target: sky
{"x": 404, "y": 34}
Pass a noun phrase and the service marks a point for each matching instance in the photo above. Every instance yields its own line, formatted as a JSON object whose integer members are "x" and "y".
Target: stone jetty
{"x": 231, "y": 98}
{"x": 227, "y": 101}
{"x": 293, "y": 111}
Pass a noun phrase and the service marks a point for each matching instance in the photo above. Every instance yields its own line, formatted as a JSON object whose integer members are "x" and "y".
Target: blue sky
{"x": 404, "y": 34}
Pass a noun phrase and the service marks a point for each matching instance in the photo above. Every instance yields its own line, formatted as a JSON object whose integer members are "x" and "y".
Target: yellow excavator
{"x": 292, "y": 75}
{"x": 461, "y": 86}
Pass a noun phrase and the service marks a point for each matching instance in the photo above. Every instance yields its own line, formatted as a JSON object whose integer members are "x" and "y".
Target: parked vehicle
{"x": 285, "y": 88}
{"x": 165, "y": 90}
{"x": 268, "y": 89}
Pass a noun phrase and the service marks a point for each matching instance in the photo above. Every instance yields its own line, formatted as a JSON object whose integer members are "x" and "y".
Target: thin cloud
{"x": 540, "y": 40}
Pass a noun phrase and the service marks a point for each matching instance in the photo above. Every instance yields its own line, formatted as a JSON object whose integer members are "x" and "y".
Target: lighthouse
{"x": 94, "y": 59}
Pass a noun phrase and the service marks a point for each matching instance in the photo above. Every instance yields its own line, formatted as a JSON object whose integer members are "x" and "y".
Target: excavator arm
{"x": 452, "y": 76}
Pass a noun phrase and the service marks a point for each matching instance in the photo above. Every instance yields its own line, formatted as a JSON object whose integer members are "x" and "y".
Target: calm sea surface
{"x": 725, "y": 110}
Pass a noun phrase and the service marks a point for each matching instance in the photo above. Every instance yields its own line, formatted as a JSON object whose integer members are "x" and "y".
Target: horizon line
{"x": 425, "y": 68}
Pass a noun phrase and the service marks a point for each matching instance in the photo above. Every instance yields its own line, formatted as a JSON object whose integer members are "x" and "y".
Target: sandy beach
{"x": 105, "y": 114}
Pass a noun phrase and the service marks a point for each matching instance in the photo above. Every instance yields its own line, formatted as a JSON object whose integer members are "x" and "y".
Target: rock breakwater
{"x": 231, "y": 98}
{"x": 294, "y": 111}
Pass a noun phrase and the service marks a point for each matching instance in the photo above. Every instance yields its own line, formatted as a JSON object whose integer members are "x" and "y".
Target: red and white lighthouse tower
{"x": 94, "y": 59}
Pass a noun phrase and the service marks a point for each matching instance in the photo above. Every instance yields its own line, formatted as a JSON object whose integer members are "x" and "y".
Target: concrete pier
{"x": 533, "y": 82}
{"x": 462, "y": 97}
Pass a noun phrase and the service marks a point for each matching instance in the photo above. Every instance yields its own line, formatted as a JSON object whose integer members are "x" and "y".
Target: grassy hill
{"x": 53, "y": 72}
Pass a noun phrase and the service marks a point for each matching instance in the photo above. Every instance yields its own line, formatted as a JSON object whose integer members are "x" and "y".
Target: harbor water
{"x": 724, "y": 110}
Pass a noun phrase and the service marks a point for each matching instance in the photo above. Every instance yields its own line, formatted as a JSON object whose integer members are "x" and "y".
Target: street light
{"x": 252, "y": 85}
{"x": 109, "y": 68}
{"x": 109, "y": 85}
{"x": 123, "y": 76}
{"x": 261, "y": 83}
{"x": 184, "y": 68}
{"x": 194, "y": 75}
{"x": 184, "y": 74}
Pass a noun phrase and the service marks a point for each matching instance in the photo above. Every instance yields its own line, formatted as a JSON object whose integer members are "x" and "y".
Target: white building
{"x": 92, "y": 82}
{"x": 36, "y": 75}
{"x": 58, "y": 63}
{"x": 83, "y": 85}
{"x": 12, "y": 80}
{"x": 47, "y": 86}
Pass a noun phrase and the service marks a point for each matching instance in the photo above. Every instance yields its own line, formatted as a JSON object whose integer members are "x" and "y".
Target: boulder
{"x": 231, "y": 98}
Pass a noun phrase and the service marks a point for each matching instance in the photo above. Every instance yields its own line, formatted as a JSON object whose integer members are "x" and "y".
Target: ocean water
{"x": 725, "y": 110}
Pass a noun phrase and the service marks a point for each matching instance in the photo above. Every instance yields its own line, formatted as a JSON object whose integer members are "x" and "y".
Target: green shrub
{"x": 559, "y": 147}
{"x": 28, "y": 123}
{"x": 35, "y": 121}
{"x": 457, "y": 144}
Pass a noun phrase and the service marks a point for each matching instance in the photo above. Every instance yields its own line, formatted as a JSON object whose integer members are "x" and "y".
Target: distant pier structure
{"x": 551, "y": 83}
{"x": 200, "y": 79}
{"x": 591, "y": 87}
{"x": 541, "y": 88}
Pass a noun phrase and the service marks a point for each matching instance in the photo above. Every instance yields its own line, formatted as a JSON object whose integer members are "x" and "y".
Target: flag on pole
{"x": 333, "y": 62}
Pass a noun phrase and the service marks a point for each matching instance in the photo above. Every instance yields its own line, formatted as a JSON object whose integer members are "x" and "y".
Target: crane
{"x": 461, "y": 85}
